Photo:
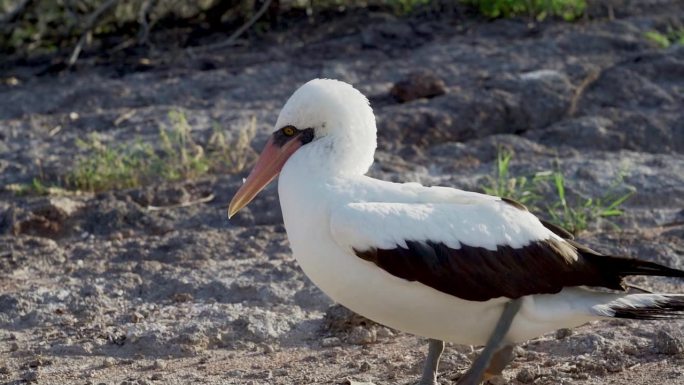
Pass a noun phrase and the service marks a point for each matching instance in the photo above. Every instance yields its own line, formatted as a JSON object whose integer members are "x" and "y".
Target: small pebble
{"x": 182, "y": 297}
{"x": 235, "y": 373}
{"x": 39, "y": 361}
{"x": 330, "y": 341}
{"x": 563, "y": 333}
{"x": 4, "y": 370}
{"x": 311, "y": 358}
{"x": 108, "y": 362}
{"x": 362, "y": 336}
{"x": 384, "y": 333}
{"x": 137, "y": 317}
{"x": 423, "y": 84}
{"x": 280, "y": 372}
{"x": 157, "y": 377}
{"x": 519, "y": 351}
{"x": 14, "y": 347}
{"x": 31, "y": 376}
{"x": 526, "y": 376}
{"x": 666, "y": 343}
{"x": 159, "y": 364}
{"x": 365, "y": 366}
{"x": 265, "y": 375}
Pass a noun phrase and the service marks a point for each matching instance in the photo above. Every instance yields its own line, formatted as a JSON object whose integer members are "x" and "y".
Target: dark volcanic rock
{"x": 591, "y": 132}
{"x": 453, "y": 117}
{"x": 418, "y": 85}
{"x": 543, "y": 97}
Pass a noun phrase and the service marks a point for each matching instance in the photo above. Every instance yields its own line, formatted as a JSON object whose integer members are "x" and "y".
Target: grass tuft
{"x": 523, "y": 189}
{"x": 36, "y": 187}
{"x": 576, "y": 217}
{"x": 569, "y": 10}
{"x": 664, "y": 40}
{"x": 178, "y": 157}
{"x": 574, "y": 213}
{"x": 405, "y": 7}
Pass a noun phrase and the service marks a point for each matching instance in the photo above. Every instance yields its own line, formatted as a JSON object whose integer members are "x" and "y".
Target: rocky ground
{"x": 104, "y": 289}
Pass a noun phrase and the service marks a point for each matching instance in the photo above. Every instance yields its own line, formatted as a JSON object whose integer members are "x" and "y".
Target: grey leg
{"x": 476, "y": 373}
{"x": 499, "y": 361}
{"x": 435, "y": 350}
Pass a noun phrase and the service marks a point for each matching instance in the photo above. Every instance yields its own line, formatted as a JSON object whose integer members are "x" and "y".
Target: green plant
{"x": 540, "y": 9}
{"x": 664, "y": 40}
{"x": 403, "y": 7}
{"x": 576, "y": 218}
{"x": 545, "y": 193}
{"x": 521, "y": 188}
{"x": 231, "y": 155}
{"x": 105, "y": 167}
{"x": 179, "y": 156}
{"x": 36, "y": 187}
{"x": 182, "y": 157}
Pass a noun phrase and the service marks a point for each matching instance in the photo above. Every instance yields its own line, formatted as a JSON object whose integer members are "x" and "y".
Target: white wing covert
{"x": 475, "y": 251}
{"x": 386, "y": 225}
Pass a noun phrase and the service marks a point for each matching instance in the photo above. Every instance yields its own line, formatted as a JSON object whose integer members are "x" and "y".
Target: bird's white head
{"x": 327, "y": 124}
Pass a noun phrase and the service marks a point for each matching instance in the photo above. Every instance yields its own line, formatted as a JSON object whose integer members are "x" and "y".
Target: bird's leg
{"x": 499, "y": 361}
{"x": 476, "y": 373}
{"x": 435, "y": 350}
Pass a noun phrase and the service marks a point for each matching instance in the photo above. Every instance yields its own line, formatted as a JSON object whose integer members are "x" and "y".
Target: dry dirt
{"x": 98, "y": 289}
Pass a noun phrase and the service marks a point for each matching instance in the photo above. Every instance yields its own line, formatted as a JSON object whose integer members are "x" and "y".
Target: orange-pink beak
{"x": 267, "y": 167}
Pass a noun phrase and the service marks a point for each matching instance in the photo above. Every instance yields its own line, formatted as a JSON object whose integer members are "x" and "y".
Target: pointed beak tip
{"x": 232, "y": 210}
{"x": 267, "y": 167}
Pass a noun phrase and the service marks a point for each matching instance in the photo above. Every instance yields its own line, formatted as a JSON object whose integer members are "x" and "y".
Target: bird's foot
{"x": 468, "y": 379}
{"x": 428, "y": 381}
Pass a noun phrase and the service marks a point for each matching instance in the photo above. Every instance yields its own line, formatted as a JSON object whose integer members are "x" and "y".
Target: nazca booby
{"x": 437, "y": 262}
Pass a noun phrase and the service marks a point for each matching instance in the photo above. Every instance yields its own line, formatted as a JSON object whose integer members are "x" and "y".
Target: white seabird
{"x": 437, "y": 262}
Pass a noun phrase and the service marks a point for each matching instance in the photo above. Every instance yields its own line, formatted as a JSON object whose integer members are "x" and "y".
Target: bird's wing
{"x": 476, "y": 251}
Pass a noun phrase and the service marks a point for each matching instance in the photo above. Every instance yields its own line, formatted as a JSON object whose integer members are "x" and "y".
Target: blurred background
{"x": 127, "y": 125}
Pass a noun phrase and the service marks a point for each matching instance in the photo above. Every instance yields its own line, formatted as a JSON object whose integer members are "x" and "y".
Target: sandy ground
{"x": 99, "y": 289}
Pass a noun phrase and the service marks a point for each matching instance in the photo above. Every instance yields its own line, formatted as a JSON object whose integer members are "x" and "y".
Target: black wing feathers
{"x": 672, "y": 307}
{"x": 479, "y": 274}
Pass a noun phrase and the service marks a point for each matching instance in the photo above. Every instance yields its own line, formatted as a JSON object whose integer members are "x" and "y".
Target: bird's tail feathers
{"x": 643, "y": 306}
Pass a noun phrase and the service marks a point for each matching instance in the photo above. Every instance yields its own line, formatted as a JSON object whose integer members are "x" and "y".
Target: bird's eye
{"x": 289, "y": 130}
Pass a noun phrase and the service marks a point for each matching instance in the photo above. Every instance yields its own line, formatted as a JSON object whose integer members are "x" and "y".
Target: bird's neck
{"x": 330, "y": 158}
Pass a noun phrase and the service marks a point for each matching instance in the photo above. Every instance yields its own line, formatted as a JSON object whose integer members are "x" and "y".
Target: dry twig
{"x": 145, "y": 25}
{"x": 90, "y": 24}
{"x": 232, "y": 38}
{"x": 588, "y": 80}
{"x": 205, "y": 199}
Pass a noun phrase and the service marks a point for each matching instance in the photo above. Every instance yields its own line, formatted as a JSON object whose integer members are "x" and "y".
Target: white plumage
{"x": 326, "y": 219}
{"x": 338, "y": 221}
